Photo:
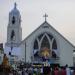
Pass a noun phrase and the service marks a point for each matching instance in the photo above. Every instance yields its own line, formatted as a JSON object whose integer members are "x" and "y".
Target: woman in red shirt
{"x": 63, "y": 71}
{"x": 56, "y": 71}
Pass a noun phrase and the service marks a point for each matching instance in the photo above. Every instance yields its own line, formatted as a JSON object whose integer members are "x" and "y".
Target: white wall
{"x": 15, "y": 51}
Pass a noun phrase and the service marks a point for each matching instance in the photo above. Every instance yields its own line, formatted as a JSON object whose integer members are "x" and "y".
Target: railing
{"x": 51, "y": 60}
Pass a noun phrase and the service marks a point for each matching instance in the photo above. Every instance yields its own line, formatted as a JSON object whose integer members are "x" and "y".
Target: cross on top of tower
{"x": 15, "y": 5}
{"x": 45, "y": 16}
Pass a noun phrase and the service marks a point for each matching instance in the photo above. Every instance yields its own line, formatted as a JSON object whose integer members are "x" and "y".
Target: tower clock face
{"x": 13, "y": 20}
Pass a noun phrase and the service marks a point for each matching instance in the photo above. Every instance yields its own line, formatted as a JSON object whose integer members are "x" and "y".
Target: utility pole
{"x": 25, "y": 51}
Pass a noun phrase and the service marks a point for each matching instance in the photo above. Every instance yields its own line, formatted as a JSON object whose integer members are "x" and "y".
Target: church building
{"x": 43, "y": 44}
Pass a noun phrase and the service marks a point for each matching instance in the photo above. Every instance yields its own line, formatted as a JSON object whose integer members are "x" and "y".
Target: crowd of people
{"x": 47, "y": 70}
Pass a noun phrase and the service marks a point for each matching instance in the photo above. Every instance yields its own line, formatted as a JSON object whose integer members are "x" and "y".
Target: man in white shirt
{"x": 67, "y": 70}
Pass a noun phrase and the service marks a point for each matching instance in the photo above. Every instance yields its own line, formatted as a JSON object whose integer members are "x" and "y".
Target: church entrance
{"x": 45, "y": 49}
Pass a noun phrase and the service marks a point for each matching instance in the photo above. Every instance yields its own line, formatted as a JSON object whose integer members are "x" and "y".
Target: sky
{"x": 61, "y": 15}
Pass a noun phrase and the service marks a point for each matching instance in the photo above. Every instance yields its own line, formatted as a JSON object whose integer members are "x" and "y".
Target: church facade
{"x": 43, "y": 44}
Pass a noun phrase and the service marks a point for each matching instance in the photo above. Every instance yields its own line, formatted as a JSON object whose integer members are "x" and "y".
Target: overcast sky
{"x": 61, "y": 15}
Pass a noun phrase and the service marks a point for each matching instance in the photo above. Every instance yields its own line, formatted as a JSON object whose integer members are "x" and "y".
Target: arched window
{"x": 13, "y": 20}
{"x": 54, "y": 45}
{"x": 12, "y": 35}
{"x": 50, "y": 36}
{"x": 35, "y": 52}
{"x": 39, "y": 37}
{"x": 35, "y": 45}
{"x": 45, "y": 43}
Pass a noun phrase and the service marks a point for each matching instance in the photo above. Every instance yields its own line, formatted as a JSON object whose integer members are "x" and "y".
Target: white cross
{"x": 45, "y": 16}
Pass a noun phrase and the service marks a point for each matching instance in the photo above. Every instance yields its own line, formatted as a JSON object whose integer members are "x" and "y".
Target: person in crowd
{"x": 30, "y": 71}
{"x": 52, "y": 71}
{"x": 26, "y": 73}
{"x": 19, "y": 72}
{"x": 71, "y": 71}
{"x": 67, "y": 70}
{"x": 41, "y": 71}
{"x": 56, "y": 71}
{"x": 11, "y": 73}
{"x": 63, "y": 71}
{"x": 23, "y": 72}
{"x": 74, "y": 72}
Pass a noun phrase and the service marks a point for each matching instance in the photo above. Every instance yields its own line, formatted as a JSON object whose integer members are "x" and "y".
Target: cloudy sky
{"x": 61, "y": 15}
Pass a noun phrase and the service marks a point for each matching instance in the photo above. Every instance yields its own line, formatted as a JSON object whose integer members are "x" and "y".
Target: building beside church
{"x": 1, "y": 52}
{"x": 43, "y": 44}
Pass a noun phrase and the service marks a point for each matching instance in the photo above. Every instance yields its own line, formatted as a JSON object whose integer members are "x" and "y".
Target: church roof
{"x": 45, "y": 24}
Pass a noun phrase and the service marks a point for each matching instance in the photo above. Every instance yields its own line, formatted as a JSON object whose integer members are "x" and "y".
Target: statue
{"x": 6, "y": 68}
{"x": 5, "y": 62}
{"x": 45, "y": 53}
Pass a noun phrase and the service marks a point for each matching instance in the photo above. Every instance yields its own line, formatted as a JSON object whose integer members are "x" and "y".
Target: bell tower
{"x": 14, "y": 30}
